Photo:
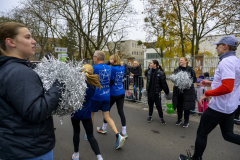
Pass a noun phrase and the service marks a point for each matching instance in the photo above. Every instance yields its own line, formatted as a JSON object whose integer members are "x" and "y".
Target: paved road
{"x": 147, "y": 141}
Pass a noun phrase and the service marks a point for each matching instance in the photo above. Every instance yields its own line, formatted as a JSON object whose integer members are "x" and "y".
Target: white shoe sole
{"x": 121, "y": 143}
{"x": 178, "y": 124}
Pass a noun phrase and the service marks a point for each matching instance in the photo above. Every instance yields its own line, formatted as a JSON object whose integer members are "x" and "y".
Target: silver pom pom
{"x": 145, "y": 93}
{"x": 182, "y": 80}
{"x": 169, "y": 96}
{"x": 71, "y": 75}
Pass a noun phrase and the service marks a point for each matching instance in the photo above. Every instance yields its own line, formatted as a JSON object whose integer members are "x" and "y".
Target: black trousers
{"x": 180, "y": 109}
{"x": 119, "y": 100}
{"x": 237, "y": 113}
{"x": 209, "y": 120}
{"x": 88, "y": 126}
{"x": 158, "y": 104}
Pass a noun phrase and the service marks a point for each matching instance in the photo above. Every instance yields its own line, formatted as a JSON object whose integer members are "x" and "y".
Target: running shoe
{"x": 163, "y": 122}
{"x": 85, "y": 137}
{"x": 178, "y": 122}
{"x": 149, "y": 119}
{"x": 75, "y": 158}
{"x": 124, "y": 135}
{"x": 183, "y": 157}
{"x": 185, "y": 125}
{"x": 100, "y": 130}
{"x": 119, "y": 141}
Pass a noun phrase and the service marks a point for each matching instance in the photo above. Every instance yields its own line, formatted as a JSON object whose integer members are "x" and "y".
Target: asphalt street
{"x": 147, "y": 141}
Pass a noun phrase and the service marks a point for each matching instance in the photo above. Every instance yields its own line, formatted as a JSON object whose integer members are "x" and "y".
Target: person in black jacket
{"x": 26, "y": 124}
{"x": 126, "y": 76}
{"x": 136, "y": 73}
{"x": 146, "y": 71}
{"x": 184, "y": 101}
{"x": 156, "y": 82}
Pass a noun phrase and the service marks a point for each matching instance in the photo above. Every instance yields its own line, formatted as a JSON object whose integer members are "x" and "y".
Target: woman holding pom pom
{"x": 184, "y": 101}
{"x": 84, "y": 115}
{"x": 26, "y": 124}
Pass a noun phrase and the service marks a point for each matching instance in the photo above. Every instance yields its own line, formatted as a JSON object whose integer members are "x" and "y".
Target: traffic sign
{"x": 60, "y": 49}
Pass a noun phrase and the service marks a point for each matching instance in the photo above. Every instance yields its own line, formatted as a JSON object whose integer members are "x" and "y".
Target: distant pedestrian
{"x": 199, "y": 91}
{"x": 136, "y": 73}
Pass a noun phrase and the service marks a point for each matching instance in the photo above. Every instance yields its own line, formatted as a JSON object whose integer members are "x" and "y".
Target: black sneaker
{"x": 163, "y": 122}
{"x": 149, "y": 119}
{"x": 185, "y": 125}
{"x": 178, "y": 122}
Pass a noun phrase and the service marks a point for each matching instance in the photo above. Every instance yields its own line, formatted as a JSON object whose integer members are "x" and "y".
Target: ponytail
{"x": 158, "y": 65}
{"x": 92, "y": 79}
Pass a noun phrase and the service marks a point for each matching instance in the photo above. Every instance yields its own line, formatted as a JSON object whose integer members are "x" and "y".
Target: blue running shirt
{"x": 104, "y": 72}
{"x": 118, "y": 75}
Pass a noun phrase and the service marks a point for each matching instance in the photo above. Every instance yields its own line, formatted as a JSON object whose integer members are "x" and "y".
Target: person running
{"x": 25, "y": 107}
{"x": 184, "y": 101}
{"x": 117, "y": 93}
{"x": 156, "y": 82}
{"x": 225, "y": 98}
{"x": 101, "y": 98}
{"x": 136, "y": 73}
{"x": 84, "y": 115}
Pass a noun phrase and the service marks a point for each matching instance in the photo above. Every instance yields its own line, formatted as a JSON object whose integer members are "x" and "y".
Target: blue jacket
{"x": 85, "y": 112}
{"x": 26, "y": 124}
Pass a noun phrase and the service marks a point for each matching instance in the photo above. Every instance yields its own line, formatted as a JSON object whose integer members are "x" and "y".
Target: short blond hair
{"x": 116, "y": 59}
{"x": 100, "y": 55}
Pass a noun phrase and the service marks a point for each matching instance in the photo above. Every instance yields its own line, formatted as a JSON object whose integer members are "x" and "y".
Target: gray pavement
{"x": 147, "y": 141}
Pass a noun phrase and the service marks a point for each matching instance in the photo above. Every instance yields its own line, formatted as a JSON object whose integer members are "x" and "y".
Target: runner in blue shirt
{"x": 84, "y": 115}
{"x": 101, "y": 98}
{"x": 117, "y": 93}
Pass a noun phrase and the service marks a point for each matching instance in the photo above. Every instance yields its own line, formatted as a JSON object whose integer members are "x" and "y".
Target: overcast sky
{"x": 136, "y": 33}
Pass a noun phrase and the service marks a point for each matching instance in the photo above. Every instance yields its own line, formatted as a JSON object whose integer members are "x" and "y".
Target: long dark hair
{"x": 158, "y": 65}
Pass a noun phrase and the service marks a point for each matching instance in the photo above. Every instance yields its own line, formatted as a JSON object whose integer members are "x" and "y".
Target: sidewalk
{"x": 144, "y": 106}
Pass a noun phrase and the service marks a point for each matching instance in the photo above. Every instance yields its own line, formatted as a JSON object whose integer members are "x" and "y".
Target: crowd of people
{"x": 26, "y": 122}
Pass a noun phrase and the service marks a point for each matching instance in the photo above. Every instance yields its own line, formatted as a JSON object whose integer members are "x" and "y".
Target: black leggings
{"x": 119, "y": 101}
{"x": 237, "y": 113}
{"x": 88, "y": 126}
{"x": 158, "y": 104}
{"x": 180, "y": 109}
{"x": 209, "y": 120}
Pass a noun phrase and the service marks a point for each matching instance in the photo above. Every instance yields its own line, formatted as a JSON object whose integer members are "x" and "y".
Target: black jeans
{"x": 209, "y": 120}
{"x": 119, "y": 101}
{"x": 180, "y": 109}
{"x": 88, "y": 126}
{"x": 237, "y": 113}
{"x": 158, "y": 104}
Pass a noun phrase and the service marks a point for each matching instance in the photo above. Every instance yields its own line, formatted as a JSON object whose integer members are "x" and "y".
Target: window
{"x": 153, "y": 56}
{"x": 135, "y": 45}
{"x": 137, "y": 53}
{"x": 132, "y": 53}
{"x": 132, "y": 45}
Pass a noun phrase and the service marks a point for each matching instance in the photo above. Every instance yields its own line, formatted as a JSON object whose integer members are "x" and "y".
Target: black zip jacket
{"x": 26, "y": 124}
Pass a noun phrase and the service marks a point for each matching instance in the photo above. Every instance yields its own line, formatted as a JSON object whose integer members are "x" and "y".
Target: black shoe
{"x": 178, "y": 122}
{"x": 163, "y": 122}
{"x": 185, "y": 125}
{"x": 149, "y": 119}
